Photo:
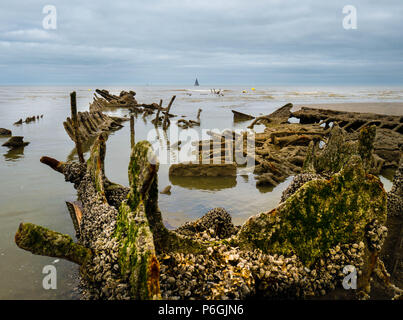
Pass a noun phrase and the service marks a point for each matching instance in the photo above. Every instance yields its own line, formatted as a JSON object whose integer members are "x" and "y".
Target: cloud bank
{"x": 220, "y": 42}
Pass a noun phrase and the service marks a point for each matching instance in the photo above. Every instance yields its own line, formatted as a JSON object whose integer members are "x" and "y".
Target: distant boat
{"x": 196, "y": 83}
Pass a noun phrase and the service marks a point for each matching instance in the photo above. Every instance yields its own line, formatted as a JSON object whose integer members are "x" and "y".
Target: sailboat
{"x": 196, "y": 83}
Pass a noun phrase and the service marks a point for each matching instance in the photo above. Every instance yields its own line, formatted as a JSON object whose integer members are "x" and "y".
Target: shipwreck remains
{"x": 332, "y": 215}
{"x": 185, "y": 124}
{"x": 108, "y": 101}
{"x": 280, "y": 150}
{"x": 280, "y": 116}
{"x": 91, "y": 124}
{"x": 389, "y": 135}
{"x": 15, "y": 142}
{"x": 239, "y": 116}
{"x": 5, "y": 132}
{"x": 28, "y": 120}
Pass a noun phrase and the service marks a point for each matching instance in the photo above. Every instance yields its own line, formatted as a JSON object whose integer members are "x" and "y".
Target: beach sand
{"x": 389, "y": 108}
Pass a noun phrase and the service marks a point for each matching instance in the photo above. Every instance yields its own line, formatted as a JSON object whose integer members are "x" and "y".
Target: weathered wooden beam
{"x": 45, "y": 242}
{"x": 53, "y": 163}
{"x": 76, "y": 214}
{"x": 281, "y": 115}
{"x": 156, "y": 121}
{"x": 166, "y": 119}
{"x": 77, "y": 140}
{"x": 239, "y": 116}
{"x": 132, "y": 131}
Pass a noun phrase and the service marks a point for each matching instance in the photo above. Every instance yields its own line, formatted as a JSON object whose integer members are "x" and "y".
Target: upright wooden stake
{"x": 132, "y": 131}
{"x": 157, "y": 118}
{"x": 73, "y": 103}
{"x": 165, "y": 125}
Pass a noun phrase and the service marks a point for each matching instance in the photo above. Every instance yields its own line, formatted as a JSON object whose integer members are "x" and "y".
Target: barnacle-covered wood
{"x": 45, "y": 242}
{"x": 395, "y": 195}
{"x": 339, "y": 150}
{"x": 91, "y": 124}
{"x": 122, "y": 226}
{"x": 332, "y": 215}
{"x": 99, "y": 234}
{"x": 392, "y": 253}
{"x": 298, "y": 250}
{"x": 325, "y": 213}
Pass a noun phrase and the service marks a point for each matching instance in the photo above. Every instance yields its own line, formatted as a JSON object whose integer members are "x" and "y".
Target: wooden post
{"x": 165, "y": 125}
{"x": 132, "y": 131}
{"x": 73, "y": 103}
{"x": 157, "y": 118}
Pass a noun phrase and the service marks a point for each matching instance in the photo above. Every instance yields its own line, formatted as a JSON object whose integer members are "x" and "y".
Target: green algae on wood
{"x": 320, "y": 215}
{"x": 140, "y": 229}
{"x": 137, "y": 260}
{"x": 95, "y": 164}
{"x": 338, "y": 151}
{"x": 45, "y": 242}
{"x": 137, "y": 257}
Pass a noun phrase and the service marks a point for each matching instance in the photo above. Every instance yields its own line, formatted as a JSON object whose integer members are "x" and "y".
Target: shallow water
{"x": 31, "y": 192}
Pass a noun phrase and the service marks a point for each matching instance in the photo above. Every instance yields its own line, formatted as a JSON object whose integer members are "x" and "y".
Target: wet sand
{"x": 389, "y": 108}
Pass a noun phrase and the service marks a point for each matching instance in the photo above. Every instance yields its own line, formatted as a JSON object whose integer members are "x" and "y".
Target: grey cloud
{"x": 223, "y": 41}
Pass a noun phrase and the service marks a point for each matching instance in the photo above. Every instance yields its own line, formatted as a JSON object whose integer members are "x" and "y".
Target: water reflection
{"x": 388, "y": 173}
{"x": 204, "y": 183}
{"x": 264, "y": 189}
{"x": 14, "y": 154}
{"x": 86, "y": 146}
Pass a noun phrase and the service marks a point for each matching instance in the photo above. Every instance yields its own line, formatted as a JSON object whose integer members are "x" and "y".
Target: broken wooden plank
{"x": 239, "y": 116}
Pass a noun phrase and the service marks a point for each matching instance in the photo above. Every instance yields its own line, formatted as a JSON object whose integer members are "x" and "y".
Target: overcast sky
{"x": 280, "y": 42}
